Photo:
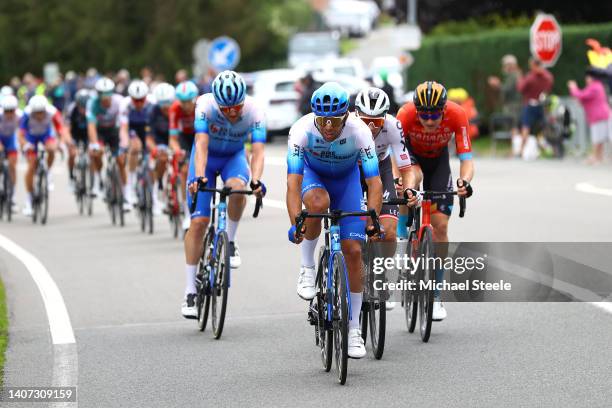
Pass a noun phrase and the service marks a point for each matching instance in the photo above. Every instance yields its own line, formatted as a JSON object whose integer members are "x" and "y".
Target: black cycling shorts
{"x": 385, "y": 168}
{"x": 437, "y": 177}
{"x": 109, "y": 137}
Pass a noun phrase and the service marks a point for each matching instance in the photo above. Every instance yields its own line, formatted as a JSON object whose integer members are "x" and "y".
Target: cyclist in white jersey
{"x": 10, "y": 115}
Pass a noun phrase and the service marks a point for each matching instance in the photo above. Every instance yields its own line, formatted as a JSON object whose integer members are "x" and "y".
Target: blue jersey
{"x": 226, "y": 138}
{"x": 331, "y": 159}
{"x": 136, "y": 119}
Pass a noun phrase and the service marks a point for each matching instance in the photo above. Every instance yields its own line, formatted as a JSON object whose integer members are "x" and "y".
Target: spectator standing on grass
{"x": 510, "y": 96}
{"x": 307, "y": 88}
{"x": 594, "y": 100}
{"x": 538, "y": 81}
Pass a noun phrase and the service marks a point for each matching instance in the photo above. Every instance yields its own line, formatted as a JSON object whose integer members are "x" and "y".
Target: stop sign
{"x": 545, "y": 39}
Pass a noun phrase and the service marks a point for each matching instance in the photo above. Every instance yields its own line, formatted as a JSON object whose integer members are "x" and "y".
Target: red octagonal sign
{"x": 545, "y": 39}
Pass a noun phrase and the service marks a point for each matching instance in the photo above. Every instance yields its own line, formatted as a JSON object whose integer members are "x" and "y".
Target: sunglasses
{"x": 430, "y": 115}
{"x": 139, "y": 101}
{"x": 373, "y": 123}
{"x": 106, "y": 94}
{"x": 333, "y": 121}
{"x": 235, "y": 108}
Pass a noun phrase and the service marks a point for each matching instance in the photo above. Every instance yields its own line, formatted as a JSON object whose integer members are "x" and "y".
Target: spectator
{"x": 537, "y": 83}
{"x": 461, "y": 97}
{"x": 510, "y": 96}
{"x": 595, "y": 103}
{"x": 382, "y": 81}
{"x": 122, "y": 81}
{"x": 181, "y": 76}
{"x": 57, "y": 93}
{"x": 91, "y": 76}
{"x": 308, "y": 88}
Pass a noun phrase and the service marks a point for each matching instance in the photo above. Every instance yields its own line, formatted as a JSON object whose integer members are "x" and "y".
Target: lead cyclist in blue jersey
{"x": 224, "y": 120}
{"x": 322, "y": 172}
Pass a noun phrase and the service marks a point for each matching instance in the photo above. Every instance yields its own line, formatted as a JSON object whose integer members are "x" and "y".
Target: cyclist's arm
{"x": 124, "y": 125}
{"x": 258, "y": 138}
{"x": 295, "y": 171}
{"x": 464, "y": 147}
{"x": 21, "y": 131}
{"x": 92, "y": 122}
{"x": 369, "y": 164}
{"x": 200, "y": 125}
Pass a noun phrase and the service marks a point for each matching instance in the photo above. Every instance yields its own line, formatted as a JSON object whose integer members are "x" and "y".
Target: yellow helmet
{"x": 429, "y": 96}
{"x": 457, "y": 95}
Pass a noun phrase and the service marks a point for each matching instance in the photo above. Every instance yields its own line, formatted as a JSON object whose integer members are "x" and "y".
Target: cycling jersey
{"x": 391, "y": 139}
{"x": 78, "y": 123}
{"x": 136, "y": 119}
{"x": 8, "y": 134}
{"x": 226, "y": 138}
{"x": 431, "y": 144}
{"x": 330, "y": 159}
{"x": 104, "y": 118}
{"x": 181, "y": 126}
{"x": 40, "y": 131}
{"x": 332, "y": 166}
{"x": 159, "y": 125}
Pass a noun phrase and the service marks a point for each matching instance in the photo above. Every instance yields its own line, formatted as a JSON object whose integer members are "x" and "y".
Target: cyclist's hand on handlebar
{"x": 413, "y": 197}
{"x": 258, "y": 187}
{"x": 294, "y": 236}
{"x": 375, "y": 234}
{"x": 27, "y": 146}
{"x": 193, "y": 184}
{"x": 464, "y": 188}
{"x": 399, "y": 187}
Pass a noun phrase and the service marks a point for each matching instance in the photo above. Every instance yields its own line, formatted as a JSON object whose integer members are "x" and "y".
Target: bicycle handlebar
{"x": 224, "y": 192}
{"x": 428, "y": 195}
{"x": 337, "y": 215}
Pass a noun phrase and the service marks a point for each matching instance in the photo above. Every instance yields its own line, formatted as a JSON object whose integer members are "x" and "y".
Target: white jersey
{"x": 8, "y": 126}
{"x": 391, "y": 138}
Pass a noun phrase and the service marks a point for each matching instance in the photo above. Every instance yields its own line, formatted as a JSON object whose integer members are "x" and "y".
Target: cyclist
{"x": 430, "y": 122}
{"x": 322, "y": 160}
{"x": 225, "y": 120}
{"x": 157, "y": 140}
{"x": 182, "y": 116}
{"x": 103, "y": 129}
{"x": 10, "y": 116}
{"x": 133, "y": 127}
{"x": 77, "y": 121}
{"x": 40, "y": 119}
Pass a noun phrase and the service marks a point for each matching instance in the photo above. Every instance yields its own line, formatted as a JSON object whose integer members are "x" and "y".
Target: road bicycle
{"x": 113, "y": 190}
{"x": 144, "y": 194}
{"x": 213, "y": 278}
{"x": 40, "y": 194}
{"x": 172, "y": 193}
{"x": 330, "y": 309}
{"x": 420, "y": 245}
{"x": 83, "y": 181}
{"x": 6, "y": 189}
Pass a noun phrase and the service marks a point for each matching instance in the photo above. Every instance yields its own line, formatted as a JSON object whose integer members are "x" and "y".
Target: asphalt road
{"x": 123, "y": 289}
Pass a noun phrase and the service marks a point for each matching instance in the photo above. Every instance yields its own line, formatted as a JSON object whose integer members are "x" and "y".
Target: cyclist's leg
{"x": 235, "y": 174}
{"x": 186, "y": 144}
{"x": 10, "y": 148}
{"x": 134, "y": 149}
{"x": 316, "y": 200}
{"x": 29, "y": 175}
{"x": 51, "y": 147}
{"x": 389, "y": 213}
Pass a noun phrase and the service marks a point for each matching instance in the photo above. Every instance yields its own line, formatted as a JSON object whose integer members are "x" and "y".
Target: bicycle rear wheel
{"x": 340, "y": 315}
{"x": 378, "y": 326}
{"x": 44, "y": 197}
{"x": 204, "y": 292}
{"x": 89, "y": 184}
{"x": 409, "y": 297}
{"x": 118, "y": 195}
{"x": 324, "y": 331}
{"x": 426, "y": 296}
{"x": 221, "y": 272}
{"x": 149, "y": 206}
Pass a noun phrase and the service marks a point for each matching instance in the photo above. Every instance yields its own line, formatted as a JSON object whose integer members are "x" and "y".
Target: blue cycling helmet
{"x": 330, "y": 99}
{"x": 186, "y": 91}
{"x": 229, "y": 89}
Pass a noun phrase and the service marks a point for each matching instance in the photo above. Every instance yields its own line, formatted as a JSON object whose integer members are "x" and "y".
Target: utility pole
{"x": 411, "y": 12}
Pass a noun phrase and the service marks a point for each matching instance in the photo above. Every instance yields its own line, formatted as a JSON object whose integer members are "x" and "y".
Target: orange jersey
{"x": 431, "y": 144}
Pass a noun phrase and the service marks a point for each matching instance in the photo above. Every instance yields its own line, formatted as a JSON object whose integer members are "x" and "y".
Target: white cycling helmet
{"x": 138, "y": 89}
{"x": 104, "y": 85}
{"x": 372, "y": 102}
{"x": 6, "y": 90}
{"x": 164, "y": 93}
{"x": 8, "y": 102}
{"x": 38, "y": 103}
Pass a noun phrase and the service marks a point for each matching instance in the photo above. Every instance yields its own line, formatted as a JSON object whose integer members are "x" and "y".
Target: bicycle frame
{"x": 333, "y": 246}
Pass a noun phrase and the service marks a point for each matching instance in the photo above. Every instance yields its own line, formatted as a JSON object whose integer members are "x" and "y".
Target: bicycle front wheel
{"x": 323, "y": 331}
{"x": 409, "y": 297}
{"x": 220, "y": 287}
{"x": 426, "y": 295}
{"x": 204, "y": 292}
{"x": 340, "y": 315}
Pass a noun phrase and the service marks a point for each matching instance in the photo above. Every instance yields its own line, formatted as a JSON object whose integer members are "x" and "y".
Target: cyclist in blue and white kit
{"x": 224, "y": 120}
{"x": 325, "y": 148}
{"x": 10, "y": 115}
{"x": 133, "y": 128}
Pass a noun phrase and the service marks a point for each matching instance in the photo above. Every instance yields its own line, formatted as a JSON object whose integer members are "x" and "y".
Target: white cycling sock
{"x": 190, "y": 275}
{"x": 126, "y": 192}
{"x": 28, "y": 199}
{"x": 131, "y": 181}
{"x": 308, "y": 249}
{"x": 96, "y": 179}
{"x": 355, "y": 310}
{"x": 232, "y": 227}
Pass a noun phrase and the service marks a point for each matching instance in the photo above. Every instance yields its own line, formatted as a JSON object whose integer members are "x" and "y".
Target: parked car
{"x": 351, "y": 17}
{"x": 352, "y": 84}
{"x": 333, "y": 66}
{"x": 306, "y": 48}
{"x": 275, "y": 91}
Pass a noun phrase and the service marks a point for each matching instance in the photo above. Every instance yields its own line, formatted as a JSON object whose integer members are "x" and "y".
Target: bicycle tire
{"x": 410, "y": 297}
{"x": 340, "y": 314}
{"x": 118, "y": 202}
{"x": 149, "y": 206}
{"x": 220, "y": 288}
{"x": 204, "y": 292}
{"x": 325, "y": 339}
{"x": 44, "y": 197}
{"x": 90, "y": 180}
{"x": 378, "y": 326}
{"x": 79, "y": 186}
{"x": 426, "y": 296}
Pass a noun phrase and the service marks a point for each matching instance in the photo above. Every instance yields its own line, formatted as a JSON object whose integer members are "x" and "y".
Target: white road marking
{"x": 591, "y": 189}
{"x": 57, "y": 314}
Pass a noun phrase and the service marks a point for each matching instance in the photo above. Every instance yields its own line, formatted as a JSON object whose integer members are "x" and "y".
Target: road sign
{"x": 223, "y": 53}
{"x": 545, "y": 40}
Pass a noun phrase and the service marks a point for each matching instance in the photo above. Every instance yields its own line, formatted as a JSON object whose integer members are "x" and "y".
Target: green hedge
{"x": 467, "y": 60}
